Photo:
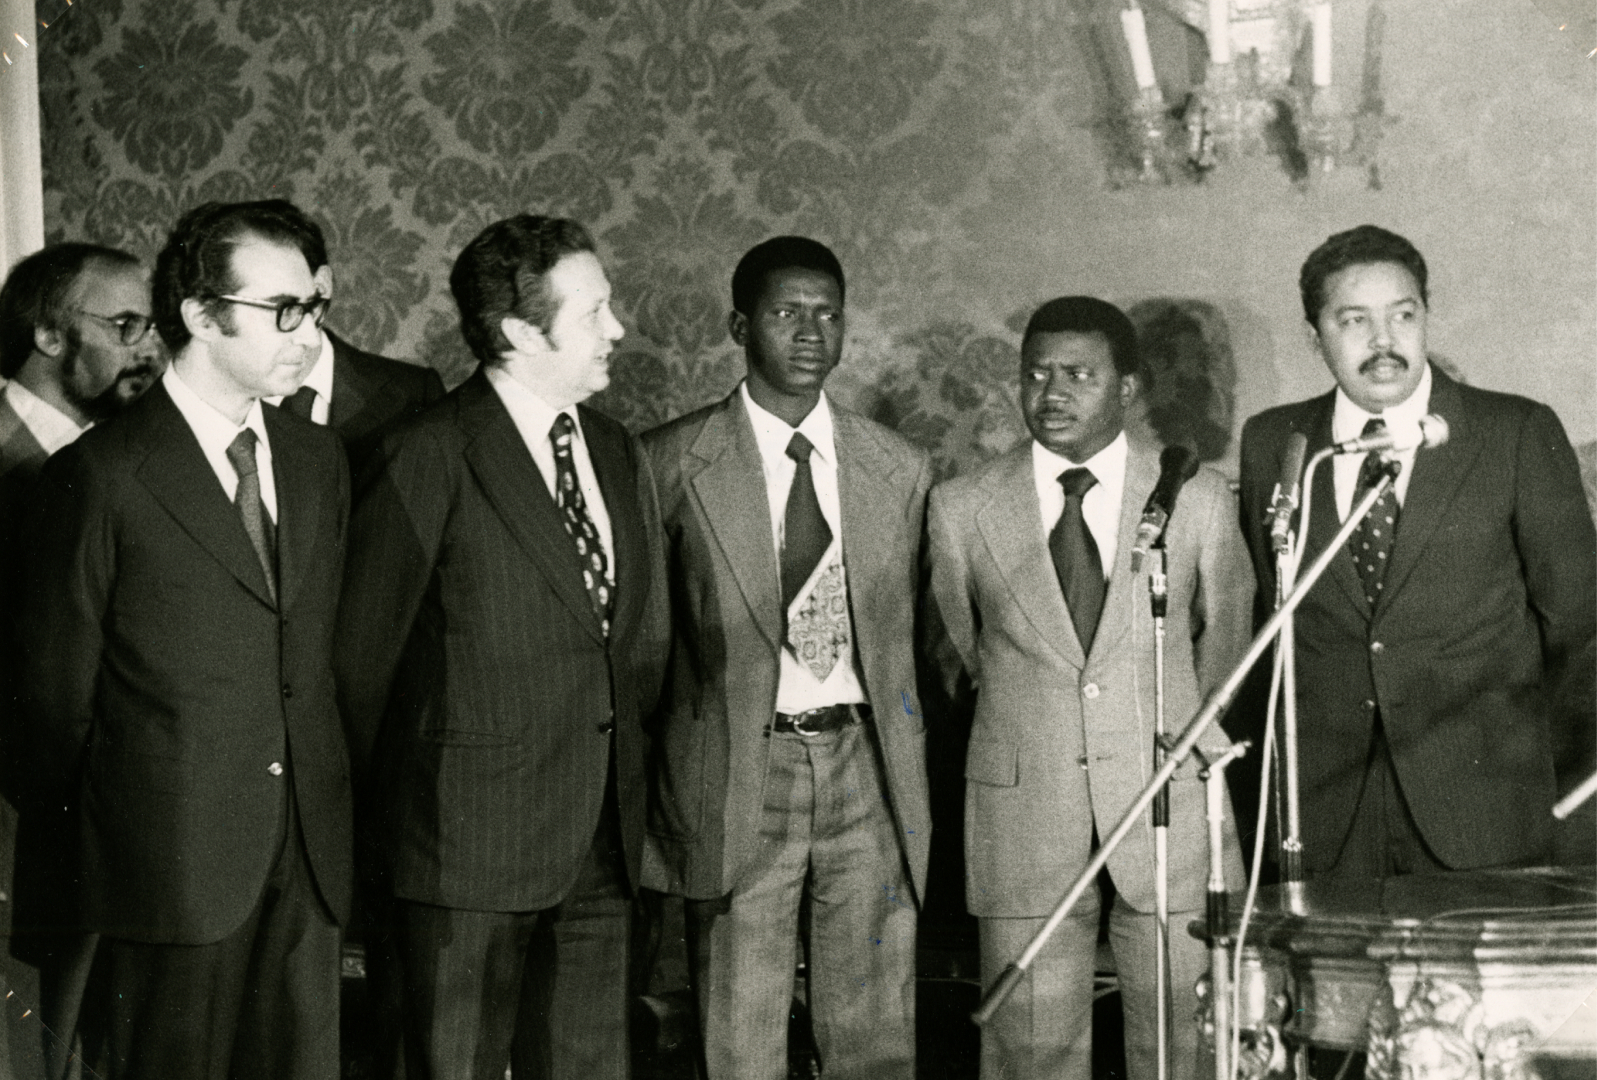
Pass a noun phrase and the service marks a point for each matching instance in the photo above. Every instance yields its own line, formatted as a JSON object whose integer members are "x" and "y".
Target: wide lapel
{"x": 1322, "y": 530}
{"x": 177, "y": 473}
{"x": 351, "y": 388}
{"x": 618, "y": 483}
{"x": 1142, "y": 473}
{"x": 302, "y": 497}
{"x": 510, "y": 479}
{"x": 1438, "y": 475}
{"x": 1011, "y": 525}
{"x": 730, "y": 489}
{"x": 869, "y": 503}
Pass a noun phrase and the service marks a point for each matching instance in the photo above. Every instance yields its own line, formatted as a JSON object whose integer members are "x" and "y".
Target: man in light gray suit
{"x": 792, "y": 758}
{"x": 1034, "y": 602}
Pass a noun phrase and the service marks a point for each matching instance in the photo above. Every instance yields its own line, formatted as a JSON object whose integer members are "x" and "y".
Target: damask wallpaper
{"x": 957, "y": 154}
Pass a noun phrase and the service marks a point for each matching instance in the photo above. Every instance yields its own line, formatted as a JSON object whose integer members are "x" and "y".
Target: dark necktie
{"x": 262, "y": 533}
{"x": 1371, "y": 545}
{"x": 1076, "y": 558}
{"x": 805, "y": 534}
{"x": 301, "y": 402}
{"x": 574, "y": 512}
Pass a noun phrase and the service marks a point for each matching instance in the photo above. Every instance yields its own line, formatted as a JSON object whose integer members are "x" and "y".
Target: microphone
{"x": 1177, "y": 465}
{"x": 1428, "y": 432}
{"x": 1288, "y": 490}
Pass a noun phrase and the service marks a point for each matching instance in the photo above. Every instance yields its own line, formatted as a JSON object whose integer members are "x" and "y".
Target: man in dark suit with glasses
{"x": 176, "y": 611}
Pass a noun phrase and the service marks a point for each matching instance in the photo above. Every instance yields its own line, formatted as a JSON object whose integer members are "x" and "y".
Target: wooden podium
{"x": 1477, "y": 975}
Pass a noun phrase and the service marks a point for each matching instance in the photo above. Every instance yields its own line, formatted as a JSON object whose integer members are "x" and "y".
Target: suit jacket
{"x": 471, "y": 662}
{"x": 161, "y": 682}
{"x": 1062, "y": 741}
{"x": 371, "y": 392}
{"x": 1478, "y": 655}
{"x": 726, "y": 608}
{"x": 21, "y": 457}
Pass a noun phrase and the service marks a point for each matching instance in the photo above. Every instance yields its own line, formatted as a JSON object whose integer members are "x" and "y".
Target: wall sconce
{"x": 1267, "y": 89}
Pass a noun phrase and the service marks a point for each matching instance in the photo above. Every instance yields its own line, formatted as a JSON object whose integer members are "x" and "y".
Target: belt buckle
{"x": 798, "y": 723}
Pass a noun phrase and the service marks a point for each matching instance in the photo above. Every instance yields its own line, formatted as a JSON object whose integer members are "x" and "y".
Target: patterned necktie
{"x": 301, "y": 402}
{"x": 818, "y": 631}
{"x": 1371, "y": 544}
{"x": 574, "y": 512}
{"x": 257, "y": 523}
{"x": 1076, "y": 558}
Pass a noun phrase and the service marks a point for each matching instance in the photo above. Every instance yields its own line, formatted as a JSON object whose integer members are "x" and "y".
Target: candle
{"x": 1220, "y": 31}
{"x": 1137, "y": 38}
{"x": 1320, "y": 23}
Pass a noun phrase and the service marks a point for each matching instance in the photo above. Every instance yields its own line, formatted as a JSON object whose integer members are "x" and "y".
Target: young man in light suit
{"x": 792, "y": 758}
{"x": 1034, "y": 602}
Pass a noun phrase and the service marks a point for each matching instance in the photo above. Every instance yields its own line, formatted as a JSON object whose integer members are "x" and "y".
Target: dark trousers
{"x": 1384, "y": 840}
{"x": 261, "y": 1004}
{"x": 544, "y": 991}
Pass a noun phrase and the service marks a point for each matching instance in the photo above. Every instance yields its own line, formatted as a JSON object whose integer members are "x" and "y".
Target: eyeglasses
{"x": 130, "y": 326}
{"x": 290, "y": 313}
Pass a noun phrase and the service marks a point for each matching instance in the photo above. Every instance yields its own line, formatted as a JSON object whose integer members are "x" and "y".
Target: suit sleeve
{"x": 654, "y": 635}
{"x": 69, "y": 568}
{"x": 396, "y": 532}
{"x": 1558, "y": 551}
{"x": 1223, "y": 602}
{"x": 949, "y": 623}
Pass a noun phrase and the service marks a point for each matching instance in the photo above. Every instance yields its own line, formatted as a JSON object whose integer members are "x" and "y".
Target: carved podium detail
{"x": 1463, "y": 976}
{"x": 1442, "y": 1033}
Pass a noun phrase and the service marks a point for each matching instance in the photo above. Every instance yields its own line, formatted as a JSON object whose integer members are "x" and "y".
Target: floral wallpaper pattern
{"x": 680, "y": 131}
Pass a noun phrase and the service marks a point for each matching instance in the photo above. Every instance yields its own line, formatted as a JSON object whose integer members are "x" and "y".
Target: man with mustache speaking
{"x": 1445, "y": 662}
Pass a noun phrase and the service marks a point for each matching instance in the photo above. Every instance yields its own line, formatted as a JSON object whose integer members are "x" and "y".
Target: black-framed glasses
{"x": 130, "y": 326}
{"x": 290, "y": 313}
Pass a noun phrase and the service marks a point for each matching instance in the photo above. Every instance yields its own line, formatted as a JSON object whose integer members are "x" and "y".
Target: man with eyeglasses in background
{"x": 76, "y": 347}
{"x": 179, "y": 584}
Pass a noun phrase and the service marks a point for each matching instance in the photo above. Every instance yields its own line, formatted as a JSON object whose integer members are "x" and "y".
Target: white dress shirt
{"x": 1347, "y": 422}
{"x": 1100, "y": 507}
{"x": 534, "y": 417}
{"x": 216, "y": 433}
{"x": 320, "y": 380}
{"x": 797, "y": 689}
{"x": 51, "y": 427}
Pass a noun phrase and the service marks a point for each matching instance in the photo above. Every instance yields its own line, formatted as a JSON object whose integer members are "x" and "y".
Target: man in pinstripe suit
{"x": 502, "y": 636}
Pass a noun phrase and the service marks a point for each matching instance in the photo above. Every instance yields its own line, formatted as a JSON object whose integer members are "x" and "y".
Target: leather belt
{"x": 820, "y": 721}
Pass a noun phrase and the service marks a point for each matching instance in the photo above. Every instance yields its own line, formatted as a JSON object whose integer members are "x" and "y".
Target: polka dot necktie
{"x": 1371, "y": 545}
{"x": 1076, "y": 558}
{"x": 574, "y": 512}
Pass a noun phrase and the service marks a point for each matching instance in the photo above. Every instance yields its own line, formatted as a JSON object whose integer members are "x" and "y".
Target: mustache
{"x": 1387, "y": 355}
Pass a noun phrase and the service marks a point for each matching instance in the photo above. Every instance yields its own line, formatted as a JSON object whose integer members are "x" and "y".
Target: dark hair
{"x": 35, "y": 295}
{"x": 1356, "y": 247}
{"x": 504, "y": 271}
{"x": 780, "y": 253}
{"x": 197, "y": 261}
{"x": 312, "y": 244}
{"x": 1087, "y": 315}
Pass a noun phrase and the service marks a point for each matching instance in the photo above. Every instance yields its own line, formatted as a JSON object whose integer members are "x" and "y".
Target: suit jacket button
{"x": 1377, "y": 648}
{"x": 275, "y": 768}
{"x": 288, "y": 691}
{"x": 607, "y": 727}
{"x": 1090, "y": 690}
{"x": 1082, "y": 761}
{"x": 1368, "y": 706}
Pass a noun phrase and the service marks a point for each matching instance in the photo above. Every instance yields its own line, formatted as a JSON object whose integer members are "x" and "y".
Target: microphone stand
{"x": 1217, "y": 921}
{"x": 1286, "y": 568}
{"x": 1159, "y": 600}
{"x": 1212, "y": 707}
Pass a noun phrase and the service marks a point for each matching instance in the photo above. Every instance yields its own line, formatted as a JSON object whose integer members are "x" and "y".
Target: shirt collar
{"x": 321, "y": 377}
{"x": 532, "y": 413}
{"x": 51, "y": 427}
{"x": 214, "y": 431}
{"x": 773, "y": 433}
{"x": 1108, "y": 466}
{"x": 1348, "y": 419}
